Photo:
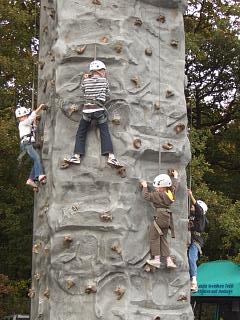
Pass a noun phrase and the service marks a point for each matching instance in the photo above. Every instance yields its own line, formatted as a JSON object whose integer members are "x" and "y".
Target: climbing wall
{"x": 91, "y": 224}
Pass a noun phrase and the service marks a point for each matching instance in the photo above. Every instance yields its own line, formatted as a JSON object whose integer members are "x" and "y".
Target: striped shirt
{"x": 95, "y": 88}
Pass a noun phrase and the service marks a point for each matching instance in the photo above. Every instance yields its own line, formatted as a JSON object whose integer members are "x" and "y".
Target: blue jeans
{"x": 37, "y": 169}
{"x": 101, "y": 119}
{"x": 192, "y": 259}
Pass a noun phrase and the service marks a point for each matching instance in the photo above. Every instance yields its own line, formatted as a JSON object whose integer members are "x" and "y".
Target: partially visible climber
{"x": 162, "y": 198}
{"x": 95, "y": 88}
{"x": 197, "y": 224}
{"x": 27, "y": 127}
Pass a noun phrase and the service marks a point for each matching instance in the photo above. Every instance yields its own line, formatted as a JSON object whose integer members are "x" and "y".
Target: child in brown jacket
{"x": 162, "y": 198}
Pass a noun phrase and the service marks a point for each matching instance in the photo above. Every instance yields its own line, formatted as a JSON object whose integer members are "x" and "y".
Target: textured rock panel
{"x": 91, "y": 224}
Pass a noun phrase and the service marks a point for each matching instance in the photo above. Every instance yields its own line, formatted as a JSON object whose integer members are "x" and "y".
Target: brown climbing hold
{"x": 73, "y": 108}
{"x": 52, "y": 82}
{"x": 104, "y": 40}
{"x": 138, "y": 22}
{"x": 170, "y": 172}
{"x": 81, "y": 49}
{"x": 157, "y": 105}
{"x": 52, "y": 13}
{"x": 119, "y": 291}
{"x": 37, "y": 247}
{"x": 31, "y": 293}
{"x": 148, "y": 51}
{"x": 179, "y": 128}
{"x": 97, "y": 2}
{"x": 161, "y": 18}
{"x": 63, "y": 164}
{"x": 67, "y": 240}
{"x": 41, "y": 64}
{"x": 169, "y": 94}
{"x": 174, "y": 43}
{"x": 46, "y": 250}
{"x": 37, "y": 276}
{"x": 116, "y": 118}
{"x": 106, "y": 217}
{"x": 167, "y": 146}
{"x": 136, "y": 81}
{"x": 46, "y": 293}
{"x": 182, "y": 298}
{"x": 137, "y": 143}
{"x": 157, "y": 318}
{"x": 91, "y": 288}
{"x": 149, "y": 268}
{"x": 116, "y": 248}
{"x": 122, "y": 172}
{"x": 118, "y": 47}
{"x": 45, "y": 29}
{"x": 70, "y": 283}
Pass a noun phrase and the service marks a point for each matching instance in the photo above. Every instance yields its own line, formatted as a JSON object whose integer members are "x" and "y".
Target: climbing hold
{"x": 46, "y": 293}
{"x": 104, "y": 40}
{"x": 81, "y": 49}
{"x": 41, "y": 64}
{"x": 64, "y": 164}
{"x": 46, "y": 249}
{"x": 97, "y": 2}
{"x": 45, "y": 87}
{"x": 37, "y": 247}
{"x": 179, "y": 127}
{"x": 136, "y": 81}
{"x": 116, "y": 118}
{"x": 148, "y": 268}
{"x": 182, "y": 298}
{"x": 167, "y": 146}
{"x": 75, "y": 206}
{"x": 118, "y": 47}
{"x": 137, "y": 143}
{"x": 73, "y": 108}
{"x": 119, "y": 291}
{"x": 31, "y": 293}
{"x": 138, "y": 22}
{"x": 174, "y": 43}
{"x": 67, "y": 240}
{"x": 148, "y": 51}
{"x": 116, "y": 248}
{"x": 91, "y": 288}
{"x": 170, "y": 172}
{"x": 70, "y": 283}
{"x": 169, "y": 94}
{"x": 157, "y": 105}
{"x": 52, "y": 13}
{"x": 37, "y": 276}
{"x": 161, "y": 18}
{"x": 157, "y": 318}
{"x": 122, "y": 172}
{"x": 45, "y": 29}
{"x": 106, "y": 217}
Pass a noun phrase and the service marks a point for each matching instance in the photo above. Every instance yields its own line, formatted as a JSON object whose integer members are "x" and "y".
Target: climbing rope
{"x": 34, "y": 67}
{"x": 95, "y": 41}
{"x": 159, "y": 95}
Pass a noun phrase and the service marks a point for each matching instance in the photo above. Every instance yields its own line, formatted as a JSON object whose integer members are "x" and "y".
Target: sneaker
{"x": 31, "y": 183}
{"x": 154, "y": 262}
{"x": 170, "y": 263}
{"x": 114, "y": 162}
{"x": 42, "y": 178}
{"x": 73, "y": 159}
{"x": 194, "y": 287}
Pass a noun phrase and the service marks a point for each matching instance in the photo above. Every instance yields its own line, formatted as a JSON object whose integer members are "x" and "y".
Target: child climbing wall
{"x": 95, "y": 90}
{"x": 27, "y": 127}
{"x": 162, "y": 198}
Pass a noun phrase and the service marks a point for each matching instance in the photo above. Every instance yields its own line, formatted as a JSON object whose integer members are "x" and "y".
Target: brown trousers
{"x": 158, "y": 234}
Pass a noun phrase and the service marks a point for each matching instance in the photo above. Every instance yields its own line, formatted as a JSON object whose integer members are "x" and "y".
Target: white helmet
{"x": 203, "y": 205}
{"x": 97, "y": 65}
{"x": 163, "y": 180}
{"x": 22, "y": 111}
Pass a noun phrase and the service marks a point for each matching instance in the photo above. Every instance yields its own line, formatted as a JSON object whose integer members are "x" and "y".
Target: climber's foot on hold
{"x": 170, "y": 263}
{"x": 113, "y": 162}
{"x": 75, "y": 159}
{"x": 32, "y": 184}
{"x": 42, "y": 179}
{"x": 154, "y": 263}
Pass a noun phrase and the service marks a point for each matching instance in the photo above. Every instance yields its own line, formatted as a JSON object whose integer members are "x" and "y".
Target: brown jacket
{"x": 160, "y": 201}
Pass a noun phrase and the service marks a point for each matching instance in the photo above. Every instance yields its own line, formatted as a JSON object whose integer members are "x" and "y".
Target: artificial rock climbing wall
{"x": 91, "y": 224}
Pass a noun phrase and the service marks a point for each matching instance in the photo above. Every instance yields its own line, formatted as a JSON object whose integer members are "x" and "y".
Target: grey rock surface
{"x": 90, "y": 224}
